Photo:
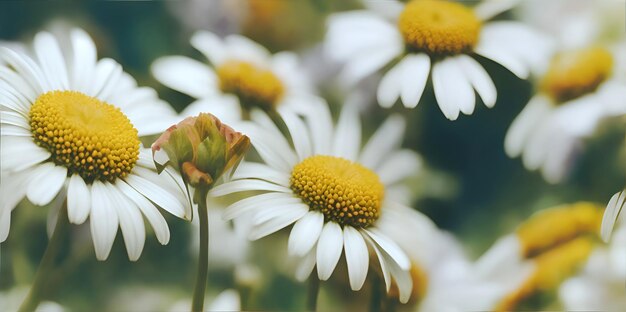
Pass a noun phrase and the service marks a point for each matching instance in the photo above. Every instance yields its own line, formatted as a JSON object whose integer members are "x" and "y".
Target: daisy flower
{"x": 578, "y": 91}
{"x": 337, "y": 195}
{"x": 600, "y": 285}
{"x": 71, "y": 124}
{"x": 545, "y": 250}
{"x": 240, "y": 74}
{"x": 424, "y": 36}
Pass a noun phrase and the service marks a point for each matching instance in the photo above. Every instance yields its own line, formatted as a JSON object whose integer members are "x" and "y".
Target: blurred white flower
{"x": 575, "y": 23}
{"x": 227, "y": 300}
{"x": 71, "y": 123}
{"x": 241, "y": 74}
{"x": 578, "y": 91}
{"x": 600, "y": 285}
{"x": 545, "y": 250}
{"x": 330, "y": 189}
{"x": 11, "y": 299}
{"x": 441, "y": 37}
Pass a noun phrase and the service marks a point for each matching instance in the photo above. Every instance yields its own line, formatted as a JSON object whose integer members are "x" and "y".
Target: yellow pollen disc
{"x": 254, "y": 86}
{"x": 551, "y": 269}
{"x": 91, "y": 138}
{"x": 554, "y": 226}
{"x": 344, "y": 191}
{"x": 439, "y": 27}
{"x": 575, "y": 73}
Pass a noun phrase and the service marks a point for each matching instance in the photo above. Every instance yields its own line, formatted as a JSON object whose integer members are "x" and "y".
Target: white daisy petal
{"x": 505, "y": 58}
{"x": 305, "y": 233}
{"x": 84, "y": 60}
{"x": 525, "y": 124}
{"x": 306, "y": 265}
{"x": 381, "y": 262}
{"x": 299, "y": 134}
{"x": 78, "y": 199}
{"x": 14, "y": 119}
{"x": 156, "y": 220}
{"x": 389, "y": 247}
{"x": 185, "y": 75}
{"x": 263, "y": 215}
{"x": 157, "y": 194}
{"x": 103, "y": 220}
{"x": 258, "y": 202}
{"x": 26, "y": 68}
{"x": 251, "y": 170}
{"x": 442, "y": 93}
{"x": 5, "y": 224}
{"x": 329, "y": 249}
{"x": 479, "y": 79}
{"x": 388, "y": 137}
{"x": 45, "y": 184}
{"x": 105, "y": 74}
{"x": 415, "y": 70}
{"x": 11, "y": 130}
{"x": 19, "y": 153}
{"x": 320, "y": 125}
{"x": 368, "y": 62}
{"x": 247, "y": 185}
{"x": 131, "y": 222}
{"x": 276, "y": 224}
{"x": 357, "y": 257}
{"x": 18, "y": 86}
{"x": 390, "y": 86}
{"x": 463, "y": 94}
{"x": 243, "y": 48}
{"x": 398, "y": 166}
{"x": 612, "y": 212}
{"x": 348, "y": 134}
{"x": 403, "y": 280}
{"x": 225, "y": 107}
{"x": 51, "y": 60}
{"x": 210, "y": 45}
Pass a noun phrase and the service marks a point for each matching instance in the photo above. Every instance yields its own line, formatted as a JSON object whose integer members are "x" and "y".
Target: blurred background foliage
{"x": 471, "y": 187}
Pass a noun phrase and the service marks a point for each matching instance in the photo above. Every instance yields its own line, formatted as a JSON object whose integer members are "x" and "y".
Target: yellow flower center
{"x": 344, "y": 191}
{"x": 439, "y": 27}
{"x": 551, "y": 269}
{"x": 575, "y": 73}
{"x": 91, "y": 138}
{"x": 254, "y": 86}
{"x": 554, "y": 226}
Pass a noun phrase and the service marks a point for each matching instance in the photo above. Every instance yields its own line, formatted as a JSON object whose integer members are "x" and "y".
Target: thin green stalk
{"x": 377, "y": 294}
{"x": 203, "y": 257}
{"x": 313, "y": 293}
{"x": 35, "y": 295}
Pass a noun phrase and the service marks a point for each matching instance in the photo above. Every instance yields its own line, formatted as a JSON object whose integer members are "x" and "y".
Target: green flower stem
{"x": 314, "y": 290}
{"x": 35, "y": 295}
{"x": 376, "y": 299}
{"x": 203, "y": 258}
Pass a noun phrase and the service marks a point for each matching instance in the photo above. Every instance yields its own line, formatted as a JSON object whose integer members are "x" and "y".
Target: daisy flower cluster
{"x": 241, "y": 135}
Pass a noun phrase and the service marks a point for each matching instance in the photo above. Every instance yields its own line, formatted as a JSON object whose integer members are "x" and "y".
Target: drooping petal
{"x": 357, "y": 257}
{"x": 329, "y": 249}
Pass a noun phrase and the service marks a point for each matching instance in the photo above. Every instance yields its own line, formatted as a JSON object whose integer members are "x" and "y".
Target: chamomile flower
{"x": 547, "y": 249}
{"x": 600, "y": 285}
{"x": 441, "y": 37}
{"x": 577, "y": 92}
{"x": 240, "y": 74}
{"x": 72, "y": 123}
{"x": 337, "y": 195}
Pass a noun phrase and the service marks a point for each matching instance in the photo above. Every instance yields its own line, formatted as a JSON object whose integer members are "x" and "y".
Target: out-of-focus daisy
{"x": 577, "y": 92}
{"x": 441, "y": 37}
{"x": 11, "y": 299}
{"x": 550, "y": 247}
{"x": 600, "y": 285}
{"x": 337, "y": 195}
{"x": 443, "y": 277}
{"x": 241, "y": 74}
{"x": 71, "y": 123}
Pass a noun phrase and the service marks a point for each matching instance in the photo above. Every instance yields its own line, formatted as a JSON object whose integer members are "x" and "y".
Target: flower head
{"x": 201, "y": 148}
{"x": 72, "y": 124}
